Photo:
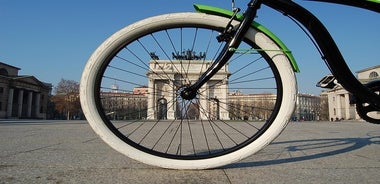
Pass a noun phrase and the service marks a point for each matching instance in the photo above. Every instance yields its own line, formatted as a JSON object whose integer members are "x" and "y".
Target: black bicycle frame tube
{"x": 331, "y": 53}
{"x": 226, "y": 53}
{"x": 366, "y": 4}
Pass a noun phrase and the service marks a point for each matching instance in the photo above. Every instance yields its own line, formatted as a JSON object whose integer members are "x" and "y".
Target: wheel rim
{"x": 129, "y": 116}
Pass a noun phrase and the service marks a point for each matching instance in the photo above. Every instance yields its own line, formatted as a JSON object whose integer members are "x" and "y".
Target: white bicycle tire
{"x": 89, "y": 107}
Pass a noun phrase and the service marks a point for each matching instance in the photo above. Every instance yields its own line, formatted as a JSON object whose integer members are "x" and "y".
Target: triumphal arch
{"x": 168, "y": 77}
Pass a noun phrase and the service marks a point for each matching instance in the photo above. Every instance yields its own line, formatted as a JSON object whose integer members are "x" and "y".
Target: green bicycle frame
{"x": 228, "y": 14}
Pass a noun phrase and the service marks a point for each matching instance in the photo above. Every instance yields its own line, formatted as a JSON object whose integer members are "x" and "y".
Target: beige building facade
{"x": 163, "y": 91}
{"x": 339, "y": 99}
{"x": 22, "y": 96}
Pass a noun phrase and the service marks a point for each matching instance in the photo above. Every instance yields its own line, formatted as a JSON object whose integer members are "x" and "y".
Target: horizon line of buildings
{"x": 24, "y": 96}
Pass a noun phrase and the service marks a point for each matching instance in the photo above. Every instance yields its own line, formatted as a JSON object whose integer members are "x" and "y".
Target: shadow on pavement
{"x": 310, "y": 149}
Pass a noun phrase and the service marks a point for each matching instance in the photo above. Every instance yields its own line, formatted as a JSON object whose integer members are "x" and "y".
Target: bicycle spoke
{"x": 138, "y": 91}
{"x": 176, "y": 126}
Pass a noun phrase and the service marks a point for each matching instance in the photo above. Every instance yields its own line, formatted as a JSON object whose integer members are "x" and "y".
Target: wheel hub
{"x": 187, "y": 93}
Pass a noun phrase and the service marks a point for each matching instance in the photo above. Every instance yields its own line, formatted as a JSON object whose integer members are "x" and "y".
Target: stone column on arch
{"x": 171, "y": 100}
{"x": 203, "y": 102}
{"x": 10, "y": 102}
{"x": 151, "y": 99}
{"x": 224, "y": 114}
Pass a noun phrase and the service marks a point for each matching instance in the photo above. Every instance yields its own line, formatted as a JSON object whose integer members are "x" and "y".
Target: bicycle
{"x": 168, "y": 90}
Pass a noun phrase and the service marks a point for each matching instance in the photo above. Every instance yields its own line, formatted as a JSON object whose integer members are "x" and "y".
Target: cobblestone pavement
{"x": 306, "y": 152}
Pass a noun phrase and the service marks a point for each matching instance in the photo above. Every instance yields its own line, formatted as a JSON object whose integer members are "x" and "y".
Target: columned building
{"x": 339, "y": 99}
{"x": 22, "y": 96}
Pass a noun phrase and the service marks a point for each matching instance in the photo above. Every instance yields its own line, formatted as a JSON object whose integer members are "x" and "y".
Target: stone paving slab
{"x": 306, "y": 152}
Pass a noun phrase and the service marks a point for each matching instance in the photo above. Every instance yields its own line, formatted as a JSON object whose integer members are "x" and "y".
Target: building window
{"x": 373, "y": 75}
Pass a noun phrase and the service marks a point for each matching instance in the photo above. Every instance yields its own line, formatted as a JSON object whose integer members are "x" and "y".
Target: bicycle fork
{"x": 233, "y": 38}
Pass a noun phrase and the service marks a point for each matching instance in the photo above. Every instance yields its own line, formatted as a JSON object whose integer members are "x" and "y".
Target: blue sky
{"x": 53, "y": 39}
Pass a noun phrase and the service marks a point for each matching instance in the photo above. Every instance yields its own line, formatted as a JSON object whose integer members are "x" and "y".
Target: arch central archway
{"x": 162, "y": 108}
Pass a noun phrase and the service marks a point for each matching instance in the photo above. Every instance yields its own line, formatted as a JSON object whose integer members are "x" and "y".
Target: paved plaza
{"x": 34, "y": 151}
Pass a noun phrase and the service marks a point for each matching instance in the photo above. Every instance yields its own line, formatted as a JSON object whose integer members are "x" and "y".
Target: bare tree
{"x": 66, "y": 98}
{"x": 66, "y": 87}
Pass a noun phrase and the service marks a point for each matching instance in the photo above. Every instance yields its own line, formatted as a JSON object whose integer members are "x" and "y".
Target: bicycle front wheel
{"x": 131, "y": 93}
